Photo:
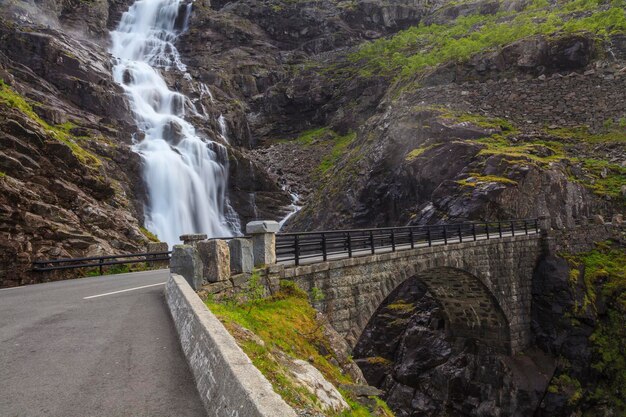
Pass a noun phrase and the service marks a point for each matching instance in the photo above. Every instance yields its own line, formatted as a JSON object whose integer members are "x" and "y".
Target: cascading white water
{"x": 185, "y": 179}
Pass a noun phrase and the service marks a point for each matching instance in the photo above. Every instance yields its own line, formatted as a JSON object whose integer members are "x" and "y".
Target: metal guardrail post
{"x": 445, "y": 235}
{"x": 100, "y": 269}
{"x": 411, "y": 237}
{"x": 372, "y": 242}
{"x": 393, "y": 241}
{"x": 430, "y": 242}
{"x": 349, "y": 245}
{"x": 512, "y": 227}
{"x": 297, "y": 249}
{"x": 487, "y": 230}
{"x": 500, "y": 228}
{"x": 537, "y": 225}
{"x": 324, "y": 250}
{"x": 525, "y": 227}
{"x": 460, "y": 235}
{"x": 474, "y": 231}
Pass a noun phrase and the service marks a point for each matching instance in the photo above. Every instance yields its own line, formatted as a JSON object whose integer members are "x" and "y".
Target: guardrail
{"x": 301, "y": 246}
{"x": 99, "y": 261}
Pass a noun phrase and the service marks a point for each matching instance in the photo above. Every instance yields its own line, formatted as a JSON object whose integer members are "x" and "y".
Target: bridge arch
{"x": 470, "y": 310}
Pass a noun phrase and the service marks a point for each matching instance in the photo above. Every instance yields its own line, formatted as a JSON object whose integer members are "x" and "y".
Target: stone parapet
{"x": 228, "y": 383}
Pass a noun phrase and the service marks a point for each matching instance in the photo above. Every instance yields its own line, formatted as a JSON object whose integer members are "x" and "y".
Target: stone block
{"x": 156, "y": 247}
{"x": 263, "y": 226}
{"x": 240, "y": 280}
{"x": 215, "y": 257}
{"x": 152, "y": 247}
{"x": 185, "y": 261}
{"x": 241, "y": 255}
{"x": 264, "y": 249}
{"x": 192, "y": 238}
{"x": 617, "y": 220}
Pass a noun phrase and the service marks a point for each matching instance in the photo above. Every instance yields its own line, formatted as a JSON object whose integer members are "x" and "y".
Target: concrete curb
{"x": 228, "y": 383}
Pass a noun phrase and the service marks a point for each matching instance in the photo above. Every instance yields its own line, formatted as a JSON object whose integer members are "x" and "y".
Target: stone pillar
{"x": 263, "y": 241}
{"x": 241, "y": 255}
{"x": 185, "y": 261}
{"x": 215, "y": 257}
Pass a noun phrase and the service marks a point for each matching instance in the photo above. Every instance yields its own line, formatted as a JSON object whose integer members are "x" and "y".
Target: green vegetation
{"x": 60, "y": 132}
{"x": 611, "y": 134}
{"x": 603, "y": 276}
{"x": 415, "y": 153}
{"x": 286, "y": 324}
{"x": 476, "y": 179}
{"x": 412, "y": 50}
{"x": 570, "y": 387}
{"x": 149, "y": 235}
{"x": 341, "y": 143}
{"x": 2, "y": 174}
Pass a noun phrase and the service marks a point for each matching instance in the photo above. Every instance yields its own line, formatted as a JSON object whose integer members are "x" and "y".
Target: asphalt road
{"x": 65, "y": 353}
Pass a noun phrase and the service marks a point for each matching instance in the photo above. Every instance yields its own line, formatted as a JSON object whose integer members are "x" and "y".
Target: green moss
{"x": 417, "y": 152}
{"x": 476, "y": 179}
{"x": 401, "y": 306}
{"x": 149, "y": 235}
{"x": 310, "y": 136}
{"x": 286, "y": 324}
{"x": 582, "y": 134}
{"x": 378, "y": 360}
{"x": 568, "y": 386}
{"x": 341, "y": 143}
{"x": 424, "y": 46}
{"x": 60, "y": 132}
{"x": 605, "y": 276}
{"x": 2, "y": 174}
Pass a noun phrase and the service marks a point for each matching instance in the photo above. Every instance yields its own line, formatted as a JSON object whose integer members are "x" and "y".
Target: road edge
{"x": 228, "y": 383}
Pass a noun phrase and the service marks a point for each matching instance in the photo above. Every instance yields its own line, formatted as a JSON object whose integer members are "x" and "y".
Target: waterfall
{"x": 185, "y": 175}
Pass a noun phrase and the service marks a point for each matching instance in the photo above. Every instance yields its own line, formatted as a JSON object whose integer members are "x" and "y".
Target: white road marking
{"x": 12, "y": 288}
{"x": 126, "y": 290}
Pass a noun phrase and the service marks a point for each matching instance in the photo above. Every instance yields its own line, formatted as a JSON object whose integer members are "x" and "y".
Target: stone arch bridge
{"x": 481, "y": 274}
{"x": 484, "y": 287}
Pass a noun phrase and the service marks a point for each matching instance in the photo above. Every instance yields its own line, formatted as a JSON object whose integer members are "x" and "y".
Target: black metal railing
{"x": 99, "y": 261}
{"x": 324, "y": 245}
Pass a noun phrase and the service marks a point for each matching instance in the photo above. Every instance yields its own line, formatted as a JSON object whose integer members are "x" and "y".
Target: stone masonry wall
{"x": 354, "y": 288}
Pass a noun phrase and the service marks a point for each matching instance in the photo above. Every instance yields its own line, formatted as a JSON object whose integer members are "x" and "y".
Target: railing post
{"x": 349, "y": 246}
{"x": 536, "y": 225}
{"x": 411, "y": 237}
{"x": 372, "y": 242}
{"x": 430, "y": 242}
{"x": 460, "y": 235}
{"x": 474, "y": 231}
{"x": 445, "y": 235}
{"x": 512, "y": 227}
{"x": 100, "y": 265}
{"x": 487, "y": 229}
{"x": 296, "y": 252}
{"x": 324, "y": 250}
{"x": 500, "y": 228}
{"x": 525, "y": 227}
{"x": 393, "y": 241}
{"x": 263, "y": 241}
